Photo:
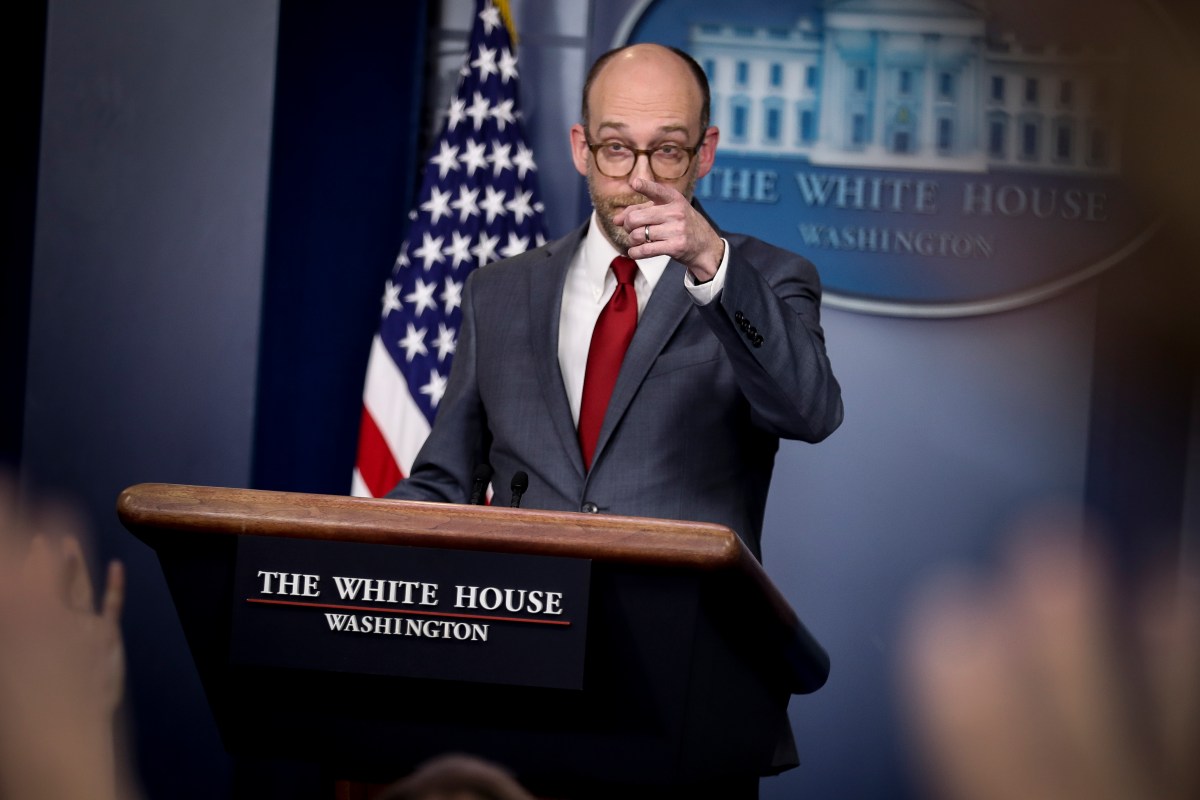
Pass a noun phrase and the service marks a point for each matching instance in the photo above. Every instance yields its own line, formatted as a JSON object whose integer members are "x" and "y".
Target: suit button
{"x": 739, "y": 317}
{"x": 590, "y": 508}
{"x": 752, "y": 331}
{"x": 758, "y": 340}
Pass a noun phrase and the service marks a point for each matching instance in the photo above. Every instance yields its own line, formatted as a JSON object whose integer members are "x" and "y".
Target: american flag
{"x": 479, "y": 202}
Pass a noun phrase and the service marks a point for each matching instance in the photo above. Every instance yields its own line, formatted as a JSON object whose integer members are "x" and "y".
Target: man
{"x": 727, "y": 355}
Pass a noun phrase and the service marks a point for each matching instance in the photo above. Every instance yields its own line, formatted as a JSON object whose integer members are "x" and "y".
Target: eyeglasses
{"x": 667, "y": 161}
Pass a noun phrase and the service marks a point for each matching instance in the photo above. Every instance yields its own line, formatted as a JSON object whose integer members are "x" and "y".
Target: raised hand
{"x": 62, "y": 662}
{"x": 675, "y": 229}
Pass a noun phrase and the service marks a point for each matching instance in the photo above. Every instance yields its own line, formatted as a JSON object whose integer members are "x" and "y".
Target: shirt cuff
{"x": 704, "y": 293}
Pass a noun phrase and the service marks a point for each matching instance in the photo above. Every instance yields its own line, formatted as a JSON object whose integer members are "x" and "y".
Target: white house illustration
{"x": 910, "y": 84}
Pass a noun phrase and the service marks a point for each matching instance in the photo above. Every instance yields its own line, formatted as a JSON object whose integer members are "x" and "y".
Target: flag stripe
{"x": 375, "y": 462}
{"x": 400, "y": 423}
{"x": 358, "y": 487}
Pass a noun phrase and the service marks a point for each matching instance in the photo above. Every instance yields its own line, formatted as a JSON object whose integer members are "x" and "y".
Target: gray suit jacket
{"x": 703, "y": 396}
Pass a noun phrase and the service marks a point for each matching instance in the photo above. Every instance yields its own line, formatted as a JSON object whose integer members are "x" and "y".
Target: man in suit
{"x": 725, "y": 353}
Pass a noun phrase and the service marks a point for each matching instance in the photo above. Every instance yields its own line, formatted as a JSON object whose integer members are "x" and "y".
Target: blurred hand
{"x": 1039, "y": 685}
{"x": 62, "y": 663}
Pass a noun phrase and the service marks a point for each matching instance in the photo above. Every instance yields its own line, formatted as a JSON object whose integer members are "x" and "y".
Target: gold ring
{"x": 647, "y": 233}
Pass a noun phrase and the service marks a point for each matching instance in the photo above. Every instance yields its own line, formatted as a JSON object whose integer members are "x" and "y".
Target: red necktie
{"x": 610, "y": 339}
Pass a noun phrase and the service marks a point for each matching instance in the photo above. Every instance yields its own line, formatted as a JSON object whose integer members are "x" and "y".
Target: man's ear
{"x": 579, "y": 148}
{"x": 708, "y": 151}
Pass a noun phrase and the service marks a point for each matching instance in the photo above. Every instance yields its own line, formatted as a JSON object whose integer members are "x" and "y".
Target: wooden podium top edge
{"x": 153, "y": 511}
{"x": 162, "y": 514}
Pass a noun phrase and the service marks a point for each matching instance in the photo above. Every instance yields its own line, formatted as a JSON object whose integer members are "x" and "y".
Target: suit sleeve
{"x": 443, "y": 469}
{"x": 768, "y": 320}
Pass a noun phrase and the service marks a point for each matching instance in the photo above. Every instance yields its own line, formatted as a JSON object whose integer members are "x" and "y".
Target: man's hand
{"x": 676, "y": 229}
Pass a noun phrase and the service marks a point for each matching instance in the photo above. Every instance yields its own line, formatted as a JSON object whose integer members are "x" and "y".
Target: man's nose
{"x": 642, "y": 168}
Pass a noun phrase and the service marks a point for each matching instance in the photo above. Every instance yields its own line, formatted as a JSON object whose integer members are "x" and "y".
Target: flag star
{"x": 540, "y": 239}
{"x": 391, "y": 298}
{"x": 422, "y": 296}
{"x": 438, "y": 205}
{"x": 465, "y": 205}
{"x": 459, "y": 249}
{"x": 473, "y": 158}
{"x": 430, "y": 250}
{"x": 508, "y": 65}
{"x": 485, "y": 63}
{"x": 402, "y": 259}
{"x": 413, "y": 343}
{"x": 456, "y": 114}
{"x": 435, "y": 388}
{"x": 485, "y": 251}
{"x": 503, "y": 113}
{"x": 446, "y": 160}
{"x": 519, "y": 206}
{"x": 524, "y": 161}
{"x": 500, "y": 158}
{"x": 490, "y": 17}
{"x": 515, "y": 246}
{"x": 452, "y": 294}
{"x": 478, "y": 110}
{"x": 445, "y": 342}
{"x": 493, "y": 204}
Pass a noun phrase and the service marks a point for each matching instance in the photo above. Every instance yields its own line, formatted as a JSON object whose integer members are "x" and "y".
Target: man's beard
{"x": 607, "y": 208}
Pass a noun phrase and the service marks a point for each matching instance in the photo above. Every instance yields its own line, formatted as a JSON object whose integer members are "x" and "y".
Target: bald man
{"x": 646, "y": 364}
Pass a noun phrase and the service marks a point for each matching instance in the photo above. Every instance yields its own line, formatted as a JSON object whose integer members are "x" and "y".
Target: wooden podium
{"x": 687, "y": 659}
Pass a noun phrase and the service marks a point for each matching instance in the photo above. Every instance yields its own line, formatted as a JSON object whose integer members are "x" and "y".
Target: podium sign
{"x": 411, "y": 612}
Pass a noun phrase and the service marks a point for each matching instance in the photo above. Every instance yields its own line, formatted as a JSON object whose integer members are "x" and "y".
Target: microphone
{"x": 520, "y": 483}
{"x": 483, "y": 474}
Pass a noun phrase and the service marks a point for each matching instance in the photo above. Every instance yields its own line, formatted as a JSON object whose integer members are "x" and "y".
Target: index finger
{"x": 114, "y": 592}
{"x": 657, "y": 192}
{"x": 76, "y": 579}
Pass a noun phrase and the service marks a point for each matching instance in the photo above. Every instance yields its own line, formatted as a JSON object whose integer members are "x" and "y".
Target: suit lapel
{"x": 664, "y": 312}
{"x": 545, "y": 305}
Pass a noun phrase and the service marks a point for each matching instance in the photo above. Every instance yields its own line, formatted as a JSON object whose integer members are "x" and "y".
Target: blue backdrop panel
{"x": 347, "y": 108}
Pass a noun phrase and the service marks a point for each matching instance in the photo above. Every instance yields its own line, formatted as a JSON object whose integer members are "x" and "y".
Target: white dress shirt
{"x": 589, "y": 285}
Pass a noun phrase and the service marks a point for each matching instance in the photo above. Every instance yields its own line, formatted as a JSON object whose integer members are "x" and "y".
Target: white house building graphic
{"x": 910, "y": 84}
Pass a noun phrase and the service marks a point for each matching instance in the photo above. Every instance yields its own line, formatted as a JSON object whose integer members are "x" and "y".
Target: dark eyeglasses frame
{"x": 691, "y": 151}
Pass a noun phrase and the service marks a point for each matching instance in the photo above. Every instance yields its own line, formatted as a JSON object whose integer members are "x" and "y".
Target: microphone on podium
{"x": 479, "y": 482}
{"x": 520, "y": 482}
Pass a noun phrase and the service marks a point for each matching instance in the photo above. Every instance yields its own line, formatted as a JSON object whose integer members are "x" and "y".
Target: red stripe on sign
{"x": 342, "y": 607}
{"x": 375, "y": 461}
